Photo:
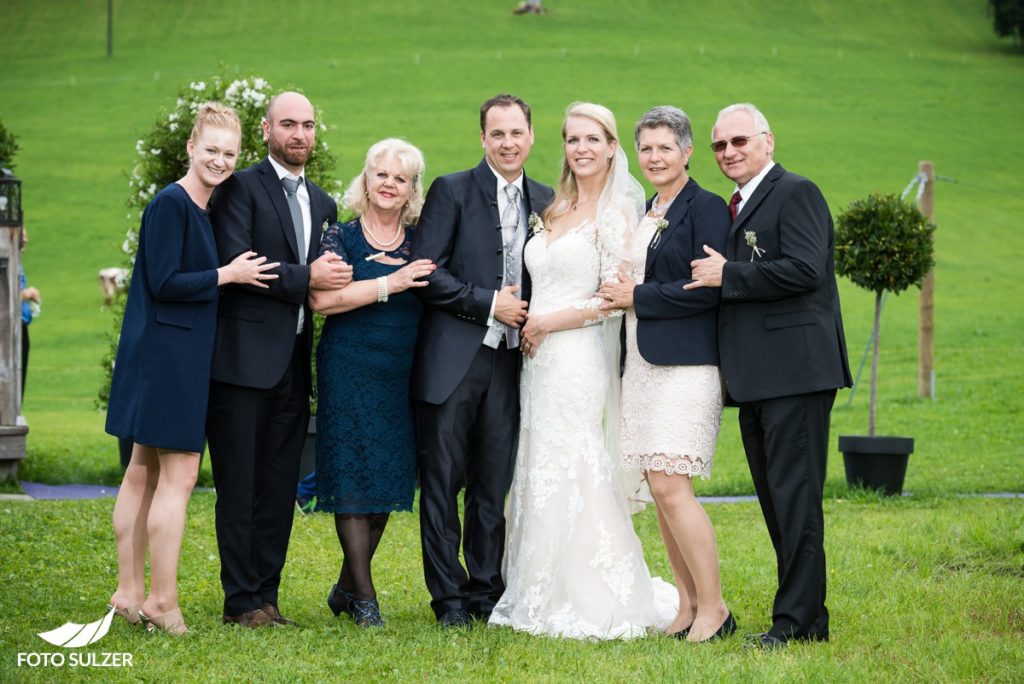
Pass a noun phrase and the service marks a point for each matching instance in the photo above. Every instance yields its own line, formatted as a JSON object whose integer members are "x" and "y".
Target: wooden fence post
{"x": 926, "y": 337}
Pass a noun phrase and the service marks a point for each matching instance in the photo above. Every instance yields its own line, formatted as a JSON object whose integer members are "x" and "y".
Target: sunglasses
{"x": 737, "y": 142}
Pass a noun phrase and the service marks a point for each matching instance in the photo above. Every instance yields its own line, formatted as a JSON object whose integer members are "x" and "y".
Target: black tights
{"x": 359, "y": 536}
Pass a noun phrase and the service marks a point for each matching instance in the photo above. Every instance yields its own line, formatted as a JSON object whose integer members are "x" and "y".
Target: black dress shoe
{"x": 765, "y": 642}
{"x": 455, "y": 619}
{"x": 339, "y": 600}
{"x": 365, "y": 613}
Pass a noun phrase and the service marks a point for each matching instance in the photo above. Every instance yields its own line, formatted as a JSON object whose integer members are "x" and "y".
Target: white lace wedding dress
{"x": 574, "y": 566}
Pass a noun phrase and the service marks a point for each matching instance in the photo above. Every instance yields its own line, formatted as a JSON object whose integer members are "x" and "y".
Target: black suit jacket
{"x": 677, "y": 327}
{"x": 780, "y": 329}
{"x": 255, "y": 326}
{"x": 460, "y": 230}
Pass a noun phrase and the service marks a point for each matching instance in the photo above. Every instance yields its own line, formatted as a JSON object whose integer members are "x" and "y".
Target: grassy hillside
{"x": 857, "y": 93}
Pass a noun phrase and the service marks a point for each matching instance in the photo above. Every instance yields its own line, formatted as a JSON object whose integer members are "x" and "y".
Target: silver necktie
{"x": 291, "y": 187}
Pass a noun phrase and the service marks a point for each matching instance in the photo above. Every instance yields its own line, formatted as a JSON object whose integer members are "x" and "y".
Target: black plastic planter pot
{"x": 876, "y": 462}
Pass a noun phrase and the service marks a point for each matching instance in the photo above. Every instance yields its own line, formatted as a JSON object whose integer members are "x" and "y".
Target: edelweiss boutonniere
{"x": 751, "y": 238}
{"x": 659, "y": 228}
{"x": 535, "y": 223}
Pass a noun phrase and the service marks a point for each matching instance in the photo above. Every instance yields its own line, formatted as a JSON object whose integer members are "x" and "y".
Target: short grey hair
{"x": 760, "y": 122}
{"x": 673, "y": 118}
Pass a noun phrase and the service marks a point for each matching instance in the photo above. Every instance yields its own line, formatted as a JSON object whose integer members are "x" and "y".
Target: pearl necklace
{"x": 366, "y": 226}
{"x": 659, "y": 212}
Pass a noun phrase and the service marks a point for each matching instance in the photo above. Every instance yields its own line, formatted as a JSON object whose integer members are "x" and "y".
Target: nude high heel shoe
{"x": 172, "y": 622}
{"x": 129, "y": 613}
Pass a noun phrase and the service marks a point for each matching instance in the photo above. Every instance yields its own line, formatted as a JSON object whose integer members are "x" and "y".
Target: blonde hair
{"x": 215, "y": 115}
{"x": 409, "y": 159}
{"x": 567, "y": 191}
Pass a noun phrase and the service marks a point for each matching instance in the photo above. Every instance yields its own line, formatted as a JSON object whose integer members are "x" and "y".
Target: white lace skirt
{"x": 670, "y": 414}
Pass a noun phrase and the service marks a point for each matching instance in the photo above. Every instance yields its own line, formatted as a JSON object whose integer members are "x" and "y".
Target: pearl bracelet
{"x": 382, "y": 289}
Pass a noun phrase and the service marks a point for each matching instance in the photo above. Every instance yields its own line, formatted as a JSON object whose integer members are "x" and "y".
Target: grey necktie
{"x": 510, "y": 217}
{"x": 509, "y": 228}
{"x": 291, "y": 187}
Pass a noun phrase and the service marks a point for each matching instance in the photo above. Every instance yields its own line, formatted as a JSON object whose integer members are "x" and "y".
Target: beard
{"x": 290, "y": 156}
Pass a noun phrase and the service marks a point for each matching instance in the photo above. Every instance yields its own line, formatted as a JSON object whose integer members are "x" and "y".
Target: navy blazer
{"x": 256, "y": 326}
{"x": 460, "y": 231}
{"x": 677, "y": 327}
{"x": 161, "y": 381}
{"x": 780, "y": 329}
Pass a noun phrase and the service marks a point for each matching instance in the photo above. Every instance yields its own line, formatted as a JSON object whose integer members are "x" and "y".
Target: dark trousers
{"x": 255, "y": 439}
{"x": 470, "y": 440}
{"x": 786, "y": 441}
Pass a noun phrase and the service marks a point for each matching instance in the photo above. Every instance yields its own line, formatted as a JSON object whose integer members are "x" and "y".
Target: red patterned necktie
{"x": 734, "y": 204}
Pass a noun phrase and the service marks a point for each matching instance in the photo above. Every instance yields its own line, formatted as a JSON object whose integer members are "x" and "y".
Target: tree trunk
{"x": 873, "y": 403}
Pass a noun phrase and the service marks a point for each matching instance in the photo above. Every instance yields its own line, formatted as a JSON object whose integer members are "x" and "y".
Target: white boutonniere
{"x": 659, "y": 228}
{"x": 751, "y": 238}
{"x": 535, "y": 223}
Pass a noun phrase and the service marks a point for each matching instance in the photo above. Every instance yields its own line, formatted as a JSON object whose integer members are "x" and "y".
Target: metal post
{"x": 926, "y": 337}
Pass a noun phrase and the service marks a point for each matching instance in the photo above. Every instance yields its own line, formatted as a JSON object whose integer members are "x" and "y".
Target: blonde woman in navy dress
{"x": 365, "y": 452}
{"x": 161, "y": 379}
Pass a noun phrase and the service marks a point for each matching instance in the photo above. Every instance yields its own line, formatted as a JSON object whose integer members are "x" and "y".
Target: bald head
{"x": 286, "y": 99}
{"x": 289, "y": 128}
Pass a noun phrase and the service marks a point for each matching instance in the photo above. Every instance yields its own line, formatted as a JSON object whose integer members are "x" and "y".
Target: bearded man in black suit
{"x": 259, "y": 397}
{"x": 465, "y": 377}
{"x": 783, "y": 355}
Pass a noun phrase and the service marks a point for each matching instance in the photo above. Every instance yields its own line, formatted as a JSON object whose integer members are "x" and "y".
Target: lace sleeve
{"x": 614, "y": 231}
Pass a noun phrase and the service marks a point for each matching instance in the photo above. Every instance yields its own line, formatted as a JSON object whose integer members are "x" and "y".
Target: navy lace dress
{"x": 365, "y": 450}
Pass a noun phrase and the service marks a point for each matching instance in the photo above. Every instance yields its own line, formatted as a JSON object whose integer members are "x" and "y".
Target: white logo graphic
{"x": 74, "y": 635}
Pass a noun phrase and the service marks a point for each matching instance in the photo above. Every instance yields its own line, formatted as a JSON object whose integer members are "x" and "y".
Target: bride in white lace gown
{"x": 574, "y": 566}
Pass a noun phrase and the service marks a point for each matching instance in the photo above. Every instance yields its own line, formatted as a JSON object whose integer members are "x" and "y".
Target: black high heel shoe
{"x": 365, "y": 613}
{"x": 727, "y": 628}
{"x": 344, "y": 605}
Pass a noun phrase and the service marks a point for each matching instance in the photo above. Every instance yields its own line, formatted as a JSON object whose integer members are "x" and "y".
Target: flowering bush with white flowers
{"x": 163, "y": 159}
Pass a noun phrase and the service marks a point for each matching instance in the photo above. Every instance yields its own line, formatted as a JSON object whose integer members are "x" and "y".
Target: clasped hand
{"x": 248, "y": 269}
{"x": 617, "y": 294}
{"x": 707, "y": 272}
{"x": 533, "y": 334}
{"x": 510, "y": 309}
{"x": 329, "y": 272}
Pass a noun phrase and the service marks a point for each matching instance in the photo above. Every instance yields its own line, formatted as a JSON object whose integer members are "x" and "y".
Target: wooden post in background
{"x": 926, "y": 338}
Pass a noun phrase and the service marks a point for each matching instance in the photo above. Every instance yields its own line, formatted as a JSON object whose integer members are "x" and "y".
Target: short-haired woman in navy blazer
{"x": 161, "y": 381}
{"x": 671, "y": 390}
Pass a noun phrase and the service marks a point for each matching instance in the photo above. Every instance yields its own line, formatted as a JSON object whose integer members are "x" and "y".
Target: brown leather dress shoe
{"x": 251, "y": 619}
{"x": 275, "y": 615}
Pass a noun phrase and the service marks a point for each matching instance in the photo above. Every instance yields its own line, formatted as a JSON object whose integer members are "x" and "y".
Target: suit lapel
{"x": 268, "y": 176}
{"x": 763, "y": 188}
{"x": 319, "y": 220}
{"x": 675, "y": 216}
{"x": 487, "y": 183}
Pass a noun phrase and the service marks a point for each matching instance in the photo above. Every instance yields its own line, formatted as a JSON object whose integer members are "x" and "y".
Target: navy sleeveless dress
{"x": 365, "y": 448}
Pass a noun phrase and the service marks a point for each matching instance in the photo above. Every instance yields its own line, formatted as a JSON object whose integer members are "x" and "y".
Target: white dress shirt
{"x": 307, "y": 221}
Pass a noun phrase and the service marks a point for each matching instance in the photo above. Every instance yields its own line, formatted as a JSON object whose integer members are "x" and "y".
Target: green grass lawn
{"x": 920, "y": 590}
{"x": 857, "y": 92}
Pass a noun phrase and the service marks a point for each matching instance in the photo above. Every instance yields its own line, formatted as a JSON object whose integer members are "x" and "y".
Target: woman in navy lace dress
{"x": 365, "y": 451}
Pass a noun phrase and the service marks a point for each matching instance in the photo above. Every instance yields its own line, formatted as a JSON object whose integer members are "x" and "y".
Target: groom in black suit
{"x": 783, "y": 355}
{"x": 259, "y": 397}
{"x": 465, "y": 377}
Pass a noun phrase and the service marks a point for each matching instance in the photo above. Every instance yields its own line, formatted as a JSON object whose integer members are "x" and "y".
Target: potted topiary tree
{"x": 883, "y": 244}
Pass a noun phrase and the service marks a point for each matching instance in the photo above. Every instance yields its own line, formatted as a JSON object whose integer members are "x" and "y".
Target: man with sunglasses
{"x": 783, "y": 355}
